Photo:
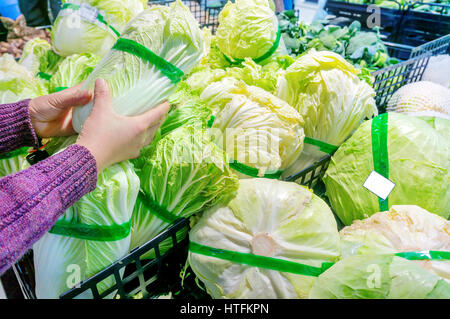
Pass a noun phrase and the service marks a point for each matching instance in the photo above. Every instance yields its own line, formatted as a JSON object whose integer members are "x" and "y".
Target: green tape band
{"x": 323, "y": 147}
{"x": 253, "y": 172}
{"x": 91, "y": 232}
{"x": 425, "y": 255}
{"x": 211, "y": 121}
{"x": 379, "y": 131}
{"x": 44, "y": 76}
{"x": 61, "y": 88}
{"x": 158, "y": 210}
{"x": 15, "y": 153}
{"x": 171, "y": 71}
{"x": 99, "y": 17}
{"x": 266, "y": 55}
{"x": 259, "y": 261}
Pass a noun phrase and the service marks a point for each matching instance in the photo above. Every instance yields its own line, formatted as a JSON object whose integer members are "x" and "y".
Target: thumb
{"x": 102, "y": 97}
{"x": 154, "y": 116}
{"x": 67, "y": 98}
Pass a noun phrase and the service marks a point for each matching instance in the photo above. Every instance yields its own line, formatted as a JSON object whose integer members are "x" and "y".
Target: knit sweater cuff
{"x": 75, "y": 168}
{"x": 16, "y": 129}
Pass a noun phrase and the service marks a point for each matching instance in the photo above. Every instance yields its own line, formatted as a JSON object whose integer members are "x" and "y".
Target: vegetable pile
{"x": 251, "y": 106}
{"x": 364, "y": 49}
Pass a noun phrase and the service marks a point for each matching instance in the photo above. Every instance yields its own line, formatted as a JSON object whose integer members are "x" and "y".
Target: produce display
{"x": 431, "y": 6}
{"x": 19, "y": 34}
{"x": 363, "y": 49}
{"x": 262, "y": 99}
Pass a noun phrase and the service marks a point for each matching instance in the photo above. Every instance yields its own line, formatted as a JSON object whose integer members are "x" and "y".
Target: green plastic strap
{"x": 100, "y": 17}
{"x": 61, "y": 88}
{"x": 379, "y": 130}
{"x": 266, "y": 55}
{"x": 44, "y": 76}
{"x": 211, "y": 121}
{"x": 15, "y": 153}
{"x": 253, "y": 172}
{"x": 259, "y": 261}
{"x": 425, "y": 255}
{"x": 158, "y": 210}
{"x": 92, "y": 232}
{"x": 323, "y": 147}
{"x": 137, "y": 49}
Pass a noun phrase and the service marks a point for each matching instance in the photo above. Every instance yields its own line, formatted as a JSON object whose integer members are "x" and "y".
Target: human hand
{"x": 51, "y": 115}
{"x": 113, "y": 138}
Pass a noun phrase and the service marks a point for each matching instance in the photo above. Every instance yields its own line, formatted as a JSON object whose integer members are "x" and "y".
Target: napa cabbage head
{"x": 261, "y": 134}
{"x": 248, "y": 71}
{"x": 247, "y": 28}
{"x": 109, "y": 207}
{"x": 270, "y": 218}
{"x": 183, "y": 175}
{"x": 404, "y": 228}
{"x": 326, "y": 90}
{"x": 417, "y": 161}
{"x": 137, "y": 85}
{"x": 16, "y": 82}
{"x": 378, "y": 277}
{"x": 78, "y": 29}
{"x": 72, "y": 71}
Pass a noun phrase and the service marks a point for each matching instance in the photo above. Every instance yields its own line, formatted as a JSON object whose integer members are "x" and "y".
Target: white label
{"x": 379, "y": 185}
{"x": 88, "y": 12}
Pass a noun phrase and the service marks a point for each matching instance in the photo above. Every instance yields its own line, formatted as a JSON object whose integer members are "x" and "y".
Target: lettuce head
{"x": 73, "y": 70}
{"x": 404, "y": 228}
{"x": 378, "y": 277}
{"x": 184, "y": 174}
{"x": 137, "y": 85}
{"x": 62, "y": 260}
{"x": 247, "y": 29}
{"x": 327, "y": 92}
{"x": 16, "y": 82}
{"x": 255, "y": 128}
{"x": 90, "y": 26}
{"x": 279, "y": 220}
{"x": 416, "y": 159}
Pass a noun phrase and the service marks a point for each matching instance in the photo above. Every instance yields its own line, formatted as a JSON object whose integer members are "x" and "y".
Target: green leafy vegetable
{"x": 185, "y": 174}
{"x": 417, "y": 160}
{"x": 137, "y": 85}
{"x": 327, "y": 92}
{"x": 272, "y": 219}
{"x": 90, "y": 26}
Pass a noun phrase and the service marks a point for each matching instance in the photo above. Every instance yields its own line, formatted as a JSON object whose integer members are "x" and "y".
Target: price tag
{"x": 379, "y": 185}
{"x": 88, "y": 12}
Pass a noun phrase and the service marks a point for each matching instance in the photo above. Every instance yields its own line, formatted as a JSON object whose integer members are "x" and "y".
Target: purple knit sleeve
{"x": 32, "y": 200}
{"x": 15, "y": 127}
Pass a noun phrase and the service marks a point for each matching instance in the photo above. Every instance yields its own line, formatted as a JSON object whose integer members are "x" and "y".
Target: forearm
{"x": 16, "y": 129}
{"x": 32, "y": 200}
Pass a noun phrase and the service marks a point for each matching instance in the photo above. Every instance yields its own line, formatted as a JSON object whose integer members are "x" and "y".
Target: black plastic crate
{"x": 419, "y": 27}
{"x": 390, "y": 18}
{"x": 398, "y": 51}
{"x": 435, "y": 47}
{"x": 145, "y": 278}
{"x": 311, "y": 175}
{"x": 205, "y": 11}
{"x": 390, "y": 79}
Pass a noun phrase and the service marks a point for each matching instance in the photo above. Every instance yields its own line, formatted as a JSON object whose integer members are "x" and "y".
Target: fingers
{"x": 155, "y": 116}
{"x": 70, "y": 97}
{"x": 102, "y": 96}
